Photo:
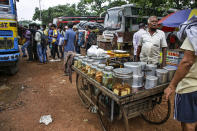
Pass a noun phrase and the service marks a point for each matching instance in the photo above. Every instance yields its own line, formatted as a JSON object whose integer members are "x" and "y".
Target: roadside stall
{"x": 171, "y": 23}
{"x": 135, "y": 89}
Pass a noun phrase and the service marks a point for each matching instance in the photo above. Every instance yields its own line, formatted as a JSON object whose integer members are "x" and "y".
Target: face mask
{"x": 153, "y": 29}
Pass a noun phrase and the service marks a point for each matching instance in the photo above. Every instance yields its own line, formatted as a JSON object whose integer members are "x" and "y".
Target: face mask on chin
{"x": 153, "y": 29}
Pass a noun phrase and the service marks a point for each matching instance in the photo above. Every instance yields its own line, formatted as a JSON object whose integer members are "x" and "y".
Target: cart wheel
{"x": 82, "y": 88}
{"x": 103, "y": 117}
{"x": 160, "y": 112}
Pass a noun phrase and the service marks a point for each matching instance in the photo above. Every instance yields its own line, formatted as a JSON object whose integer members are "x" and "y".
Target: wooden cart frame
{"x": 146, "y": 103}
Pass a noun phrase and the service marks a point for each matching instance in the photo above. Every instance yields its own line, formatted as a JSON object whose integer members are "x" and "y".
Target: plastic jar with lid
{"x": 76, "y": 59}
{"x": 122, "y": 81}
{"x": 93, "y": 69}
{"x": 108, "y": 77}
{"x": 79, "y": 63}
{"x": 83, "y": 65}
{"x": 99, "y": 73}
{"x": 88, "y": 66}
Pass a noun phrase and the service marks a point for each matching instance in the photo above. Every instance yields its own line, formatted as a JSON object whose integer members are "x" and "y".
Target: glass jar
{"x": 83, "y": 65}
{"x": 99, "y": 73}
{"x": 93, "y": 69}
{"x": 76, "y": 58}
{"x": 88, "y": 66}
{"x": 108, "y": 77}
{"x": 79, "y": 63}
{"x": 122, "y": 81}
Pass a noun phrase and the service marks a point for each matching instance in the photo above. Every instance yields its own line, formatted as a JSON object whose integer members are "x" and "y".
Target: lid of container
{"x": 98, "y": 58}
{"x": 151, "y": 77}
{"x": 101, "y": 66}
{"x": 163, "y": 71}
{"x": 138, "y": 76}
{"x": 90, "y": 60}
{"x": 95, "y": 64}
{"x": 77, "y": 55}
{"x": 151, "y": 65}
{"x": 81, "y": 57}
{"x": 136, "y": 86}
{"x": 109, "y": 68}
{"x": 131, "y": 64}
{"x": 84, "y": 59}
{"x": 170, "y": 68}
{"x": 142, "y": 63}
{"x": 122, "y": 71}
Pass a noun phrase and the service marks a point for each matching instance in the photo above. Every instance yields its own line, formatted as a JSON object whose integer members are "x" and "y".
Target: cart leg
{"x": 125, "y": 119}
{"x": 112, "y": 110}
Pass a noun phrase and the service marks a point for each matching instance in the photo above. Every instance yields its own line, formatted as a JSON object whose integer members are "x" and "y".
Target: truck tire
{"x": 12, "y": 70}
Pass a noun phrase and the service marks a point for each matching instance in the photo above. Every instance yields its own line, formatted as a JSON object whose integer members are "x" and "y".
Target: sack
{"x": 61, "y": 41}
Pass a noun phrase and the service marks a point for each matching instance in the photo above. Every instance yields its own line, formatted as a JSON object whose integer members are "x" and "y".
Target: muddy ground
{"x": 38, "y": 90}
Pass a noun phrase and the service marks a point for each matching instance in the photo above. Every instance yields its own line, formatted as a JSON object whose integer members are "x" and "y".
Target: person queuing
{"x": 77, "y": 47}
{"x": 69, "y": 45}
{"x": 41, "y": 48}
{"x": 184, "y": 82}
{"x": 50, "y": 34}
{"x": 32, "y": 48}
{"x": 54, "y": 42}
{"x": 27, "y": 36}
{"x": 60, "y": 40}
{"x": 136, "y": 37}
{"x": 150, "y": 44}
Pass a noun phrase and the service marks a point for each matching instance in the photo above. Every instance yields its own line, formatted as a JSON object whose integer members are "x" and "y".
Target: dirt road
{"x": 38, "y": 90}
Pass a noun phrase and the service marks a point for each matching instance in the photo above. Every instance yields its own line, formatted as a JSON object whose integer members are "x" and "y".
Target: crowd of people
{"x": 38, "y": 39}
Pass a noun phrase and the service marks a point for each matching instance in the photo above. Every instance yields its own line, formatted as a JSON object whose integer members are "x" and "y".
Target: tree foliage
{"x": 96, "y": 7}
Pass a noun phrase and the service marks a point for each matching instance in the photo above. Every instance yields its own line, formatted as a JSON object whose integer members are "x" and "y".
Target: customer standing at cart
{"x": 184, "y": 82}
{"x": 151, "y": 42}
{"x": 136, "y": 38}
{"x": 69, "y": 46}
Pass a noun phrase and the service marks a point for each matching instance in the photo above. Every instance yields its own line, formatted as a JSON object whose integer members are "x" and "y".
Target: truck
{"x": 124, "y": 20}
{"x": 9, "y": 49}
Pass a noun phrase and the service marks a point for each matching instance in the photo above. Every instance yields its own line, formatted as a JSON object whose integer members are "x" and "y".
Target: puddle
{"x": 9, "y": 93}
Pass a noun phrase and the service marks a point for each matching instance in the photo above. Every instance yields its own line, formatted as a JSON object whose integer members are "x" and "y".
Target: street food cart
{"x": 111, "y": 106}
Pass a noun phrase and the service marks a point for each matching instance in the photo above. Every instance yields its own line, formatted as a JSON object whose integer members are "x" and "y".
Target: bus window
{"x": 135, "y": 10}
{"x": 4, "y": 2}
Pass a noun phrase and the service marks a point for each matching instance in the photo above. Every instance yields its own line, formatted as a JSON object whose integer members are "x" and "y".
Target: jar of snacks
{"x": 93, "y": 69}
{"x": 122, "y": 81}
{"x": 88, "y": 66}
{"x": 79, "y": 63}
{"x": 99, "y": 73}
{"x": 83, "y": 65}
{"x": 108, "y": 77}
{"x": 76, "y": 58}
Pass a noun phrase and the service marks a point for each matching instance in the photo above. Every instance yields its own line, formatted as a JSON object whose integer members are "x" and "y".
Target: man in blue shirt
{"x": 69, "y": 44}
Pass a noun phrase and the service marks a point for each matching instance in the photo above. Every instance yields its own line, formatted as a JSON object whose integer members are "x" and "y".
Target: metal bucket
{"x": 135, "y": 67}
{"x": 150, "y": 69}
{"x": 162, "y": 75}
{"x": 171, "y": 71}
{"x": 151, "y": 82}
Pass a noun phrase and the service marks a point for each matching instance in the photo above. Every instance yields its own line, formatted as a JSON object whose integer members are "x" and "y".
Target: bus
{"x": 9, "y": 50}
{"x": 60, "y": 21}
{"x": 124, "y": 20}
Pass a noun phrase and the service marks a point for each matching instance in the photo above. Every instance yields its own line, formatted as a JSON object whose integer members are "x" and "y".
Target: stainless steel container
{"x": 137, "y": 81}
{"x": 135, "y": 67}
{"x": 143, "y": 64}
{"x": 162, "y": 75}
{"x": 171, "y": 71}
{"x": 150, "y": 69}
{"x": 151, "y": 82}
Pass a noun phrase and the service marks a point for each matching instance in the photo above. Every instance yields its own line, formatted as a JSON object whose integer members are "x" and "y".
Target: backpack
{"x": 43, "y": 39}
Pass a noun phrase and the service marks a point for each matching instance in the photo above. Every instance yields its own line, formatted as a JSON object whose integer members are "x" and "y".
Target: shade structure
{"x": 178, "y": 17}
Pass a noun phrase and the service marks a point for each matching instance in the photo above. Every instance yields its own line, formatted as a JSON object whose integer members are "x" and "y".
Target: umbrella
{"x": 178, "y": 17}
